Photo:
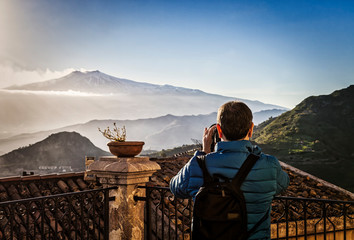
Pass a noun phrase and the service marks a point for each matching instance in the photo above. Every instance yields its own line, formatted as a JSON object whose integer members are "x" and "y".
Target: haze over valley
{"x": 81, "y": 97}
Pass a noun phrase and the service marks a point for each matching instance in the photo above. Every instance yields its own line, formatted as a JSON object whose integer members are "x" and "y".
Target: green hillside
{"x": 316, "y": 136}
{"x": 60, "y": 149}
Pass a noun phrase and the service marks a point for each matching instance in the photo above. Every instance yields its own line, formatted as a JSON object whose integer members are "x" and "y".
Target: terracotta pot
{"x": 125, "y": 149}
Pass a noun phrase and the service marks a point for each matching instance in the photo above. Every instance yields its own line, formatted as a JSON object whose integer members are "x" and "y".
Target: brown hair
{"x": 235, "y": 120}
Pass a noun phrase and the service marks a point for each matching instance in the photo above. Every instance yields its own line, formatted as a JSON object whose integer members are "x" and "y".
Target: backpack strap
{"x": 206, "y": 175}
{"x": 245, "y": 169}
{"x": 241, "y": 176}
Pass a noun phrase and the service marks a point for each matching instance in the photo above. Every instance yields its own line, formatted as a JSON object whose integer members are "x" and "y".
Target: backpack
{"x": 220, "y": 208}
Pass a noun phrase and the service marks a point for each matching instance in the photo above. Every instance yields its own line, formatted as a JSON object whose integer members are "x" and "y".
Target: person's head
{"x": 234, "y": 121}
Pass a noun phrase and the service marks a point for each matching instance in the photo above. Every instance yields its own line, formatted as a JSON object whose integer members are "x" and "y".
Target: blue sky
{"x": 278, "y": 52}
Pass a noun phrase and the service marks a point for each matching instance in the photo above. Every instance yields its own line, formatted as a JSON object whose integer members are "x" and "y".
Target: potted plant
{"x": 118, "y": 145}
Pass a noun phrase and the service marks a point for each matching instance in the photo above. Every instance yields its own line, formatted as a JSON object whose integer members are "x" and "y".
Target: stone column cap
{"x": 114, "y": 164}
{"x": 123, "y": 171}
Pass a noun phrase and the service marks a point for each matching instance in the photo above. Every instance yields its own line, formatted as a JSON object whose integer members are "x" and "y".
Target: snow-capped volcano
{"x": 84, "y": 96}
{"x": 98, "y": 82}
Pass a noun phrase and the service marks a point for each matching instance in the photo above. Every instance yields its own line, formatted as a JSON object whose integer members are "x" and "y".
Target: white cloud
{"x": 14, "y": 75}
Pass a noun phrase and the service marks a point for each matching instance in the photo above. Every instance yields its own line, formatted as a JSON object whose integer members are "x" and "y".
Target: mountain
{"x": 315, "y": 136}
{"x": 65, "y": 150}
{"x": 83, "y": 96}
{"x": 98, "y": 82}
{"x": 159, "y": 133}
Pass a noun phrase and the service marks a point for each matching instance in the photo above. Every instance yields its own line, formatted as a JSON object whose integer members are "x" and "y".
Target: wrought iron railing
{"x": 76, "y": 215}
{"x": 303, "y": 218}
{"x": 168, "y": 217}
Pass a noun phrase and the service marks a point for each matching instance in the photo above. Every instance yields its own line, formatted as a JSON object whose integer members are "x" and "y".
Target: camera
{"x": 215, "y": 138}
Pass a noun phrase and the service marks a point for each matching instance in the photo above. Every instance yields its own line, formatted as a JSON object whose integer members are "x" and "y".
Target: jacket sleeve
{"x": 282, "y": 179}
{"x": 188, "y": 180}
{"x": 179, "y": 183}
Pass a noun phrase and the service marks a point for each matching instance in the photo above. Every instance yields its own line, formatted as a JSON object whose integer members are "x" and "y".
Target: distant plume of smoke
{"x": 11, "y": 74}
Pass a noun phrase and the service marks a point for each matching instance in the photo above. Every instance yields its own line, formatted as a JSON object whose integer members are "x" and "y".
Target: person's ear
{"x": 250, "y": 132}
{"x": 218, "y": 127}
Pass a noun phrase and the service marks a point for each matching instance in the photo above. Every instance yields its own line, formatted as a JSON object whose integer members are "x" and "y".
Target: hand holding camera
{"x": 210, "y": 138}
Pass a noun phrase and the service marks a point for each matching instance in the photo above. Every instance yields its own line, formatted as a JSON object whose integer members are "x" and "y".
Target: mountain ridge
{"x": 315, "y": 136}
{"x": 162, "y": 132}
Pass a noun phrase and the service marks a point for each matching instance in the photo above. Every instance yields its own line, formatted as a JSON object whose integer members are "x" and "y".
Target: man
{"x": 264, "y": 181}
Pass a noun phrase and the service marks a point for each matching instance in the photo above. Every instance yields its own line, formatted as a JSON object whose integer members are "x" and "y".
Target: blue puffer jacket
{"x": 265, "y": 180}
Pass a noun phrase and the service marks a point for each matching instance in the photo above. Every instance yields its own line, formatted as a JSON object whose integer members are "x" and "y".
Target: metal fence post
{"x": 106, "y": 214}
{"x": 148, "y": 213}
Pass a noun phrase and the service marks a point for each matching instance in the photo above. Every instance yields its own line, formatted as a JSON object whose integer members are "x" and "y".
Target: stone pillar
{"x": 126, "y": 216}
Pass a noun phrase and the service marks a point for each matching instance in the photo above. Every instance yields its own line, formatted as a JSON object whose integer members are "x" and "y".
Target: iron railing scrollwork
{"x": 167, "y": 217}
{"x": 75, "y": 215}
